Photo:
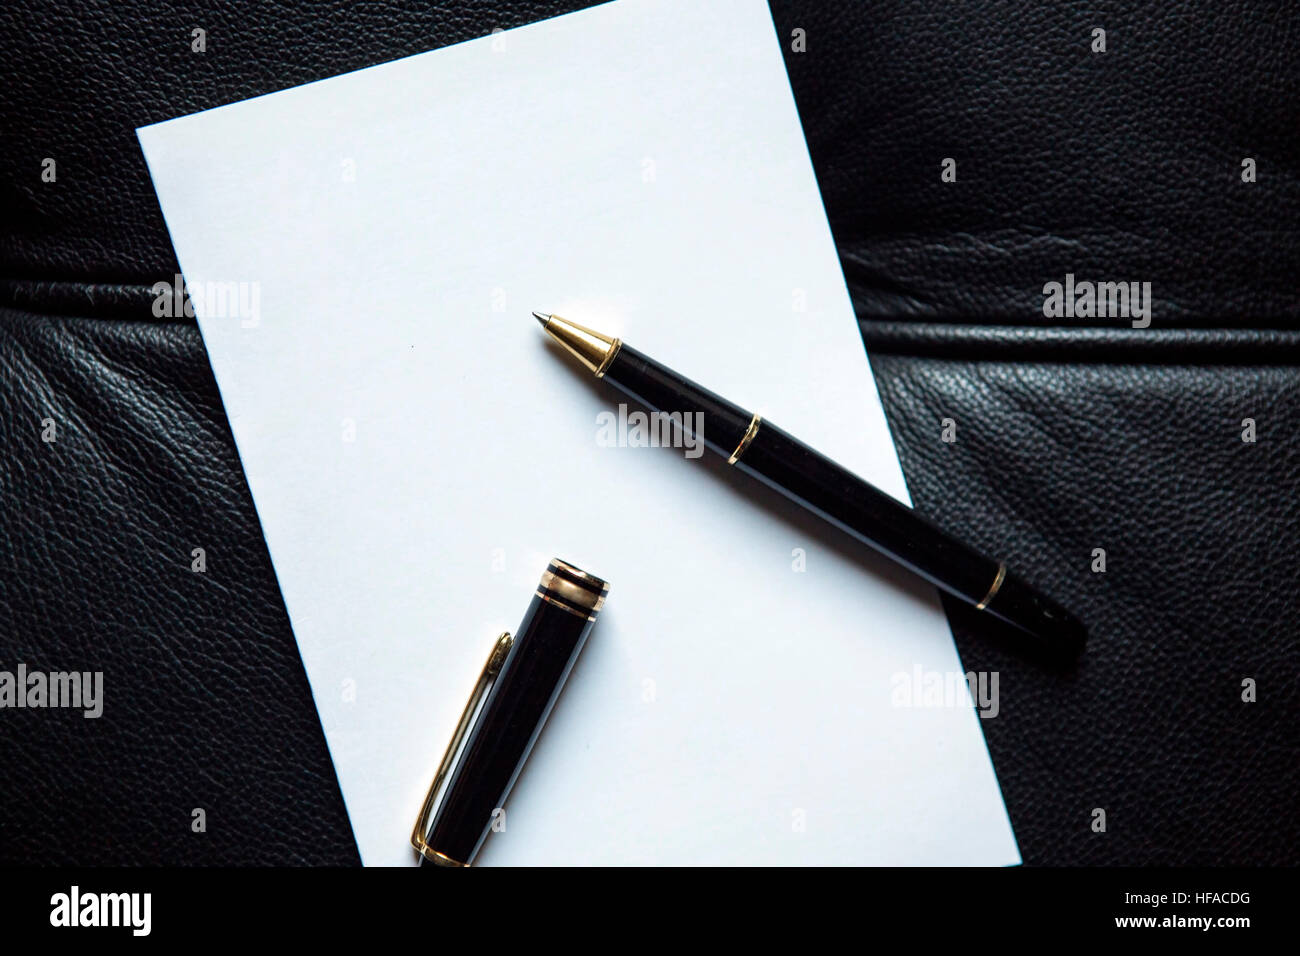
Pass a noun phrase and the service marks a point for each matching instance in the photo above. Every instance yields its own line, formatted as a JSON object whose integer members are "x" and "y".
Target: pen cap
{"x": 540, "y": 656}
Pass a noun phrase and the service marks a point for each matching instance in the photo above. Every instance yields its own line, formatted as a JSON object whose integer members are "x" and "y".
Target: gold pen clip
{"x": 490, "y": 671}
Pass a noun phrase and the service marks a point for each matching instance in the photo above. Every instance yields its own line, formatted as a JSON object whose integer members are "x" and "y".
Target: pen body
{"x": 659, "y": 388}
{"x": 787, "y": 465}
{"x": 812, "y": 480}
{"x": 544, "y": 650}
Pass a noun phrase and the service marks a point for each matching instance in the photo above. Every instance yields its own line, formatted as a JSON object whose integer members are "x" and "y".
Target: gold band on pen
{"x": 549, "y": 599}
{"x": 750, "y": 432}
{"x": 588, "y": 595}
{"x": 609, "y": 357}
{"x": 572, "y": 589}
{"x": 993, "y": 591}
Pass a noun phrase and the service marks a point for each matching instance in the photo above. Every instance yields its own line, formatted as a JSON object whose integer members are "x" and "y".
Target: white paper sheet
{"x": 417, "y": 452}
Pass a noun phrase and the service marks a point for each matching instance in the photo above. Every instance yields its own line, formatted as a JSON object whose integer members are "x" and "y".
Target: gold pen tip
{"x": 591, "y": 348}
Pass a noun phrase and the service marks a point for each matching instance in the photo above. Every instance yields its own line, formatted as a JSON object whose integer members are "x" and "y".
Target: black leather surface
{"x": 1115, "y": 166}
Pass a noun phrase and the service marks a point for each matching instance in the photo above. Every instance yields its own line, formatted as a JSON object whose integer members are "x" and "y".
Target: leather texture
{"x": 1071, "y": 434}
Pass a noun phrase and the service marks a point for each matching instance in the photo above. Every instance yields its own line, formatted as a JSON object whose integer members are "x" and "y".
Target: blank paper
{"x": 417, "y": 451}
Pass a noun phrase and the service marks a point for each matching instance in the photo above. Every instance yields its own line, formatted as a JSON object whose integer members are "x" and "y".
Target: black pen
{"x": 812, "y": 480}
{"x": 517, "y": 689}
